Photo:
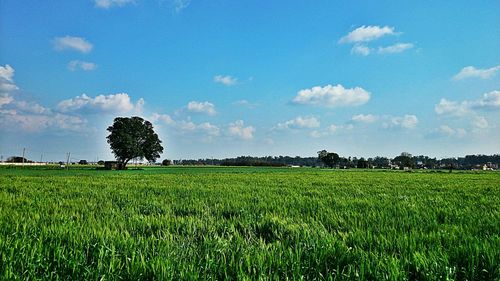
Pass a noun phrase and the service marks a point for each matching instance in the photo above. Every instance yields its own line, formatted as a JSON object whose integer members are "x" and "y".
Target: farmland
{"x": 213, "y": 223}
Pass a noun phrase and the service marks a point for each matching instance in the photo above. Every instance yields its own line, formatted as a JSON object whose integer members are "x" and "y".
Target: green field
{"x": 214, "y": 223}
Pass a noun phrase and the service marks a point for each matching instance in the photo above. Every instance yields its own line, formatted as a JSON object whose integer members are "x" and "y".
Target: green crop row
{"x": 193, "y": 223}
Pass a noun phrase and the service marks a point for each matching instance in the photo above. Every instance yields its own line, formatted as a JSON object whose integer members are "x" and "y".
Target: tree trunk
{"x": 122, "y": 165}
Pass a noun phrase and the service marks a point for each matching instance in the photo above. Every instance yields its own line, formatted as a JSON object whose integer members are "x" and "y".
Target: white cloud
{"x": 330, "y": 130}
{"x": 32, "y": 107}
{"x": 472, "y": 72}
{"x": 331, "y": 96}
{"x": 106, "y": 4}
{"x": 165, "y": 118}
{"x": 488, "y": 101}
{"x": 406, "y": 122}
{"x": 479, "y": 122}
{"x": 246, "y": 104}
{"x": 7, "y": 79}
{"x": 7, "y": 85}
{"x": 19, "y": 115}
{"x": 5, "y": 99}
{"x": 316, "y": 134}
{"x": 72, "y": 43}
{"x": 396, "y": 48}
{"x": 364, "y": 50}
{"x": 32, "y": 117}
{"x": 365, "y": 118}
{"x": 299, "y": 123}
{"x": 202, "y": 107}
{"x": 187, "y": 127}
{"x": 360, "y": 49}
{"x": 17, "y": 120}
{"x": 446, "y": 107}
{"x": 226, "y": 80}
{"x": 447, "y": 131}
{"x": 208, "y": 128}
{"x": 83, "y": 65}
{"x": 101, "y": 103}
{"x": 366, "y": 34}
{"x": 180, "y": 5}
{"x": 238, "y": 130}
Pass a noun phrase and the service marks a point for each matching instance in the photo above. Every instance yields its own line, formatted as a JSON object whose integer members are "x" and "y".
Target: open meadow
{"x": 214, "y": 223}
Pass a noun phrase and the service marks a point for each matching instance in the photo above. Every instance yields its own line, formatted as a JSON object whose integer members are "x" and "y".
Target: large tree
{"x": 330, "y": 159}
{"x": 404, "y": 160}
{"x": 133, "y": 137}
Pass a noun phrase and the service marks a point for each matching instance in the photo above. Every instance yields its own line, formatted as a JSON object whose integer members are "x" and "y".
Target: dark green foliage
{"x": 404, "y": 160}
{"x": 133, "y": 137}
{"x": 179, "y": 223}
{"x": 18, "y": 159}
{"x": 330, "y": 159}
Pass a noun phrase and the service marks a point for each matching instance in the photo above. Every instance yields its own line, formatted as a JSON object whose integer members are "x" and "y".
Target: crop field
{"x": 211, "y": 223}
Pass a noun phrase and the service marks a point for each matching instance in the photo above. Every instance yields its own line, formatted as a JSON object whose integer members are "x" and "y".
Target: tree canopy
{"x": 133, "y": 137}
{"x": 330, "y": 159}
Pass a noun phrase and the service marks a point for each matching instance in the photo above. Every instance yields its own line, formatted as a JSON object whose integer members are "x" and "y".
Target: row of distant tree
{"x": 333, "y": 160}
{"x": 254, "y": 161}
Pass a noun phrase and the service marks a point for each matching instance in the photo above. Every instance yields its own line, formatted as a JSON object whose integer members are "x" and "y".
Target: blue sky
{"x": 227, "y": 78}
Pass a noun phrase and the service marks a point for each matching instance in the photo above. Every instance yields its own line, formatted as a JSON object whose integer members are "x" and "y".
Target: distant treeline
{"x": 333, "y": 160}
{"x": 276, "y": 161}
{"x": 400, "y": 161}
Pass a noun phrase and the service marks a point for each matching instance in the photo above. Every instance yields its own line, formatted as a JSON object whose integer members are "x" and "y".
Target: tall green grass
{"x": 247, "y": 224}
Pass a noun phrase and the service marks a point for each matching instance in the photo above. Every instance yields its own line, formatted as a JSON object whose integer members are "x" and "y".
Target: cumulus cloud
{"x": 238, "y": 130}
{"x": 299, "y": 123}
{"x": 7, "y": 79}
{"x": 7, "y": 85}
{"x": 187, "y": 127}
{"x": 226, "y": 80}
{"x": 406, "y": 122}
{"x": 202, "y": 107}
{"x": 31, "y": 107}
{"x": 365, "y": 118}
{"x": 205, "y": 127}
{"x": 330, "y": 130}
{"x": 472, "y": 72}
{"x": 15, "y": 120}
{"x": 102, "y": 103}
{"x": 32, "y": 117}
{"x": 446, "y": 107}
{"x": 332, "y": 96}
{"x": 164, "y": 118}
{"x": 72, "y": 43}
{"x": 396, "y": 48}
{"x": 366, "y": 34}
{"x": 106, "y": 4}
{"x": 5, "y": 99}
{"x": 360, "y": 49}
{"x": 447, "y": 131}
{"x": 479, "y": 122}
{"x": 488, "y": 101}
{"x": 28, "y": 116}
{"x": 83, "y": 65}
